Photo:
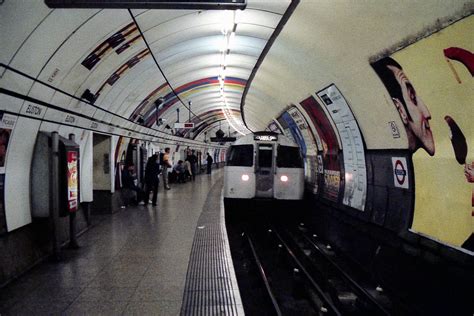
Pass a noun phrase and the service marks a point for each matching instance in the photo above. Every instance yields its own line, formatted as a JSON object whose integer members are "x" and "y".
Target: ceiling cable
{"x": 159, "y": 68}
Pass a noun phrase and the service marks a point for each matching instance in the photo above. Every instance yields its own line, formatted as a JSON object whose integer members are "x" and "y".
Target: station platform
{"x": 170, "y": 259}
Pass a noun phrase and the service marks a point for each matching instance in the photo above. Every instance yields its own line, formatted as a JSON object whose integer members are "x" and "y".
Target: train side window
{"x": 240, "y": 156}
{"x": 289, "y": 157}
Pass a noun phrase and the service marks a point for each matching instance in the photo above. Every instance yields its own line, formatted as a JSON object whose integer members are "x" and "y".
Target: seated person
{"x": 129, "y": 182}
{"x": 178, "y": 169}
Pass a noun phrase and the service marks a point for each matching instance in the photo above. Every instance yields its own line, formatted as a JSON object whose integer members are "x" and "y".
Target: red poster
{"x": 330, "y": 154}
{"x": 72, "y": 180}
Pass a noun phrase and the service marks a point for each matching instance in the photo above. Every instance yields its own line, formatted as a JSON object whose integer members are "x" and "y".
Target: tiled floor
{"x": 133, "y": 262}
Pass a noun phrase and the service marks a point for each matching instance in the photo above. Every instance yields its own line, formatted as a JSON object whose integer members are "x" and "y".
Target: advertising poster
{"x": 329, "y": 160}
{"x": 311, "y": 176}
{"x": 295, "y": 132}
{"x": 7, "y": 123}
{"x": 355, "y": 189}
{"x": 72, "y": 185}
{"x": 222, "y": 155}
{"x": 3, "y": 220}
{"x": 305, "y": 132}
{"x": 273, "y": 127}
{"x": 286, "y": 130}
{"x": 216, "y": 156}
{"x": 431, "y": 85}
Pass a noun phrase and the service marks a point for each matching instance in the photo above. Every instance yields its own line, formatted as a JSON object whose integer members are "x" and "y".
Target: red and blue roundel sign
{"x": 400, "y": 172}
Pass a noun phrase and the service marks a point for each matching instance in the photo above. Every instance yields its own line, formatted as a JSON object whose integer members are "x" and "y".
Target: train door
{"x": 264, "y": 171}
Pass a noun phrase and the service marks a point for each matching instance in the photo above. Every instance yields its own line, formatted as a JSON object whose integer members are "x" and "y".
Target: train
{"x": 263, "y": 166}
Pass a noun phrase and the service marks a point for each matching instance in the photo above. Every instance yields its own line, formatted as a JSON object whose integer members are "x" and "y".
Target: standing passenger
{"x": 166, "y": 165}
{"x": 188, "y": 171}
{"x": 152, "y": 170}
{"x": 209, "y": 163}
{"x": 193, "y": 160}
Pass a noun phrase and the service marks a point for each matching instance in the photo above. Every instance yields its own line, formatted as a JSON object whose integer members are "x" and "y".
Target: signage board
{"x": 400, "y": 172}
{"x": 269, "y": 138}
{"x": 183, "y": 125}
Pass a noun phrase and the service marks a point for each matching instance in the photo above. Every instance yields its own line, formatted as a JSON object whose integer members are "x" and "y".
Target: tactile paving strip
{"x": 211, "y": 287}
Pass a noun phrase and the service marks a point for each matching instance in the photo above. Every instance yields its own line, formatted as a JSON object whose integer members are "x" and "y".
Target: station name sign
{"x": 269, "y": 138}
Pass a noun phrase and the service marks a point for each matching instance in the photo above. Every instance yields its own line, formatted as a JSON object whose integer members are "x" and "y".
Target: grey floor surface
{"x": 133, "y": 262}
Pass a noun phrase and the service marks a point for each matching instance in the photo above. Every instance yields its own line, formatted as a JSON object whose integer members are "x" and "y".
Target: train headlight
{"x": 284, "y": 178}
{"x": 245, "y": 177}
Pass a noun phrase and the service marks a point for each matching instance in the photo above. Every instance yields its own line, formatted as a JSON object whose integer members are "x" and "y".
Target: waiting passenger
{"x": 192, "y": 158}
{"x": 188, "y": 173}
{"x": 209, "y": 163}
{"x": 166, "y": 164}
{"x": 178, "y": 171}
{"x": 152, "y": 171}
{"x": 129, "y": 181}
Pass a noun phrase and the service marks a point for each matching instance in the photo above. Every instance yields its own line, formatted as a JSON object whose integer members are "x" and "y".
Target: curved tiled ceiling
{"x": 207, "y": 58}
{"x": 128, "y": 59}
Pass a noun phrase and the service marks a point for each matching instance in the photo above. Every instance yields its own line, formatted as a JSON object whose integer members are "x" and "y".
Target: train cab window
{"x": 289, "y": 157}
{"x": 265, "y": 155}
{"x": 240, "y": 156}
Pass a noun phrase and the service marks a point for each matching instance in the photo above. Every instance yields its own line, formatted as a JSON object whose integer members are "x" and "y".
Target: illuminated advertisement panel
{"x": 355, "y": 176}
{"x": 430, "y": 85}
{"x": 328, "y": 160}
{"x": 72, "y": 192}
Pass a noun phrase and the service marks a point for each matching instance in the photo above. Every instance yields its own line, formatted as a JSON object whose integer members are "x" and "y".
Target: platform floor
{"x": 133, "y": 262}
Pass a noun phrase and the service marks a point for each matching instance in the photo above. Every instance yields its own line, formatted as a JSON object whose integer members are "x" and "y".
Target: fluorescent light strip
{"x": 228, "y": 30}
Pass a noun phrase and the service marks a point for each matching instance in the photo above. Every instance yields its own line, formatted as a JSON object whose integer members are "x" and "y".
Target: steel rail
{"x": 347, "y": 277}
{"x": 264, "y": 277}
{"x": 318, "y": 289}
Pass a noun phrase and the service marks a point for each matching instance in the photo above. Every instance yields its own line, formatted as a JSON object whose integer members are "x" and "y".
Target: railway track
{"x": 299, "y": 273}
{"x": 301, "y": 276}
{"x": 289, "y": 286}
{"x": 354, "y": 294}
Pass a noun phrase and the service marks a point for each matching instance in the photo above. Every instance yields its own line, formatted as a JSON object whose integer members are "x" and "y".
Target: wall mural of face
{"x": 415, "y": 115}
{"x": 444, "y": 197}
